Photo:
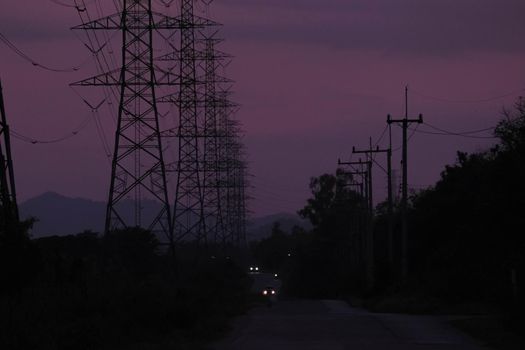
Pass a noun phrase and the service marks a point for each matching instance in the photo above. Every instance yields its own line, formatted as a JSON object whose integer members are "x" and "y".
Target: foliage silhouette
{"x": 118, "y": 290}
{"x": 466, "y": 239}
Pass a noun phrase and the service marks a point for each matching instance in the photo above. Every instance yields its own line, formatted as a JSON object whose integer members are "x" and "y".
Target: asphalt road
{"x": 332, "y": 324}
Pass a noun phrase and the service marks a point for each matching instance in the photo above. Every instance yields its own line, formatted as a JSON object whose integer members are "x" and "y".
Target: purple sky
{"x": 314, "y": 78}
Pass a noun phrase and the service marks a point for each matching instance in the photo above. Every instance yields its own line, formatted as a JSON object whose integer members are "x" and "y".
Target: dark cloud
{"x": 425, "y": 27}
{"x": 31, "y": 21}
{"x": 34, "y": 32}
{"x": 435, "y": 27}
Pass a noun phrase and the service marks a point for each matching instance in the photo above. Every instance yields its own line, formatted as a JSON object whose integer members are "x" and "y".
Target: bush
{"x": 118, "y": 291}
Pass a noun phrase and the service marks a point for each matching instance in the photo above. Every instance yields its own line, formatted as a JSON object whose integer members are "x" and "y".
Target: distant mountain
{"x": 260, "y": 228}
{"x": 61, "y": 215}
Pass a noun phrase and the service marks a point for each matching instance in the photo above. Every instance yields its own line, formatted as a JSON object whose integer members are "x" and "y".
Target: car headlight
{"x": 273, "y": 292}
{"x": 251, "y": 268}
{"x": 265, "y": 292}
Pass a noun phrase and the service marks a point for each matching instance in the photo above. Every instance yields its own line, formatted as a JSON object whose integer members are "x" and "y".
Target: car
{"x": 254, "y": 269}
{"x": 269, "y": 291}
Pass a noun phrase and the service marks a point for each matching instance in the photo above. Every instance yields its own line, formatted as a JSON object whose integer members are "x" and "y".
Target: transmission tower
{"x": 235, "y": 185}
{"x": 215, "y": 219}
{"x": 208, "y": 203}
{"x": 188, "y": 219}
{"x": 9, "y": 208}
{"x": 138, "y": 168}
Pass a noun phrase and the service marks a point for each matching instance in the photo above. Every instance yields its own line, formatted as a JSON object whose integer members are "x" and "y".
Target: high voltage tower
{"x": 214, "y": 165}
{"x": 189, "y": 215}
{"x": 208, "y": 175}
{"x": 8, "y": 205}
{"x": 138, "y": 163}
{"x": 235, "y": 185}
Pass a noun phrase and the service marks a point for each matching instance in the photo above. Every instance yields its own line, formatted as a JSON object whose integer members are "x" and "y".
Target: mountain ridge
{"x": 62, "y": 215}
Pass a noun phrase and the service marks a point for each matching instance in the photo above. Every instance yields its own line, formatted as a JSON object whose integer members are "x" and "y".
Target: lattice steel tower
{"x": 214, "y": 215}
{"x": 8, "y": 205}
{"x": 138, "y": 168}
{"x": 188, "y": 213}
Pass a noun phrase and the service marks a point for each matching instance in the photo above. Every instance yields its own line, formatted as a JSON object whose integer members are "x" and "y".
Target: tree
{"x": 272, "y": 252}
{"x": 18, "y": 257}
{"x": 511, "y": 130}
{"x": 467, "y": 230}
{"x": 332, "y": 207}
{"x": 320, "y": 266}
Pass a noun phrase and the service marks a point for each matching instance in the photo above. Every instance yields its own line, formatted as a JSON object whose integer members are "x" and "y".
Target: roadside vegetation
{"x": 466, "y": 241}
{"x": 116, "y": 291}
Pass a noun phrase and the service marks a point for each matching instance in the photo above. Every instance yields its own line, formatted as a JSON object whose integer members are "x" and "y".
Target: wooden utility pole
{"x": 358, "y": 219}
{"x": 370, "y": 152}
{"x": 369, "y": 238}
{"x": 405, "y": 123}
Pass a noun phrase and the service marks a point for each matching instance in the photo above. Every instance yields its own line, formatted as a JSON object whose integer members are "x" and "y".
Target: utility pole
{"x": 9, "y": 207}
{"x": 357, "y": 222}
{"x": 368, "y": 182}
{"x": 405, "y": 123}
{"x": 369, "y": 153}
{"x": 369, "y": 238}
{"x": 368, "y": 164}
{"x": 359, "y": 185}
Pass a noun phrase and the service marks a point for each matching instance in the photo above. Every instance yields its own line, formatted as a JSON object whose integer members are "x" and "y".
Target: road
{"x": 334, "y": 325}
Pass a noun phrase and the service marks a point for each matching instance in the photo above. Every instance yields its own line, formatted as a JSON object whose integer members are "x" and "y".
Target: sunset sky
{"x": 314, "y": 78}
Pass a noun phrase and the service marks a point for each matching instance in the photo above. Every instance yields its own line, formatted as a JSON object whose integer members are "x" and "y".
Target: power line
{"x": 488, "y": 99}
{"x": 414, "y": 130}
{"x": 64, "y": 4}
{"x": 447, "y": 134}
{"x": 34, "y": 62}
{"x": 165, "y": 3}
{"x": 102, "y": 65}
{"x": 65, "y": 137}
{"x": 459, "y": 133}
{"x": 381, "y": 137}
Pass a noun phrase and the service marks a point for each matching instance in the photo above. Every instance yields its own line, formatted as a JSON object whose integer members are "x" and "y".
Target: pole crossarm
{"x": 114, "y": 78}
{"x": 419, "y": 120}
{"x": 405, "y": 122}
{"x": 201, "y": 102}
{"x": 368, "y": 151}
{"x": 367, "y": 234}
{"x": 160, "y": 22}
{"x": 200, "y": 55}
{"x": 360, "y": 162}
